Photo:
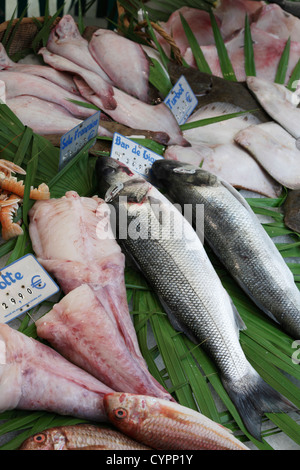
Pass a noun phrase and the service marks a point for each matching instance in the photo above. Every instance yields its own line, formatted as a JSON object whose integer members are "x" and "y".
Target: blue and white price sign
{"x": 23, "y": 285}
{"x": 181, "y": 100}
{"x": 138, "y": 158}
{"x": 73, "y": 141}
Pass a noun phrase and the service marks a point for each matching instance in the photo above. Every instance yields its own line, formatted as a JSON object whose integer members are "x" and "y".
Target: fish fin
{"x": 239, "y": 322}
{"x": 236, "y": 194}
{"x": 253, "y": 397}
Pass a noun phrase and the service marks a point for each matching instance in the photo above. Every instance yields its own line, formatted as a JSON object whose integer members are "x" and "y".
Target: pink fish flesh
{"x": 275, "y": 20}
{"x": 123, "y": 60}
{"x": 139, "y": 115}
{"x": 267, "y": 48}
{"x": 64, "y": 80}
{"x": 19, "y": 84}
{"x": 2, "y": 92}
{"x": 232, "y": 14}
{"x": 230, "y": 163}
{"x": 198, "y": 21}
{"x": 66, "y": 41}
{"x": 35, "y": 377}
{"x": 45, "y": 117}
{"x": 81, "y": 249}
{"x": 80, "y": 329}
{"x": 92, "y": 79}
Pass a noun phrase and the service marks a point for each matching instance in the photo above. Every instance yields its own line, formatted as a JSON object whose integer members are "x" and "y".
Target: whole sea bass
{"x": 171, "y": 256}
{"x": 238, "y": 239}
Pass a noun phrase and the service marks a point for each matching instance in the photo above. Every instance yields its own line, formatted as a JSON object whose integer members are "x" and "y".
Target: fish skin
{"x": 291, "y": 210}
{"x": 275, "y": 150}
{"x": 66, "y": 41}
{"x": 45, "y": 117}
{"x": 123, "y": 60}
{"x": 247, "y": 251}
{"x": 80, "y": 329}
{"x": 81, "y": 437}
{"x": 290, "y": 7}
{"x": 166, "y": 426}
{"x": 181, "y": 274}
{"x": 35, "y": 377}
{"x": 62, "y": 79}
{"x": 139, "y": 115}
{"x": 94, "y": 80}
{"x": 279, "y": 102}
{"x": 19, "y": 84}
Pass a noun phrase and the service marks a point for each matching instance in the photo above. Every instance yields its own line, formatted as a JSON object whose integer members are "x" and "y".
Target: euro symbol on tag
{"x": 36, "y": 282}
{"x": 188, "y": 97}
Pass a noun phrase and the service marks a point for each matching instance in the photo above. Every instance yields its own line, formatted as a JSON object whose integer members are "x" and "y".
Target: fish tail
{"x": 253, "y": 397}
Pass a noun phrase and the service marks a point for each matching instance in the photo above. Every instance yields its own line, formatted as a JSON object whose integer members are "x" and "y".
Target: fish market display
{"x": 291, "y": 210}
{"x": 35, "y": 377}
{"x": 80, "y": 329}
{"x": 81, "y": 437}
{"x": 279, "y": 102}
{"x": 229, "y": 162}
{"x": 19, "y": 84}
{"x": 167, "y": 426}
{"x": 169, "y": 253}
{"x": 115, "y": 53}
{"x": 247, "y": 251}
{"x": 275, "y": 149}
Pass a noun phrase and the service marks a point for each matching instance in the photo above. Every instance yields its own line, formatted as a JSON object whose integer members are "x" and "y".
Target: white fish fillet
{"x": 279, "y": 102}
{"x": 80, "y": 329}
{"x": 35, "y": 377}
{"x": 123, "y": 60}
{"x": 81, "y": 249}
{"x": 45, "y": 117}
{"x": 222, "y": 132}
{"x": 19, "y": 84}
{"x": 275, "y": 149}
{"x": 230, "y": 163}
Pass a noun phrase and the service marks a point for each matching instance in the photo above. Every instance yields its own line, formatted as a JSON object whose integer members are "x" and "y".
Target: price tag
{"x": 23, "y": 285}
{"x": 73, "y": 141}
{"x": 138, "y": 158}
{"x": 181, "y": 100}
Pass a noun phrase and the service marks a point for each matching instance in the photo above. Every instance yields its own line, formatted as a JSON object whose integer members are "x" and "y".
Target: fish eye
{"x": 39, "y": 438}
{"x": 109, "y": 171}
{"x": 120, "y": 413}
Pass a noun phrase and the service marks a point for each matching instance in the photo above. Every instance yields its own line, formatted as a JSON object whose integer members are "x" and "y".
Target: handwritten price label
{"x": 23, "y": 285}
{"x": 138, "y": 158}
{"x": 181, "y": 100}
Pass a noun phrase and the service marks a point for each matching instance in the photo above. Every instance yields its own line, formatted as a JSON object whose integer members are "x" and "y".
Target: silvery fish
{"x": 236, "y": 236}
{"x": 169, "y": 252}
